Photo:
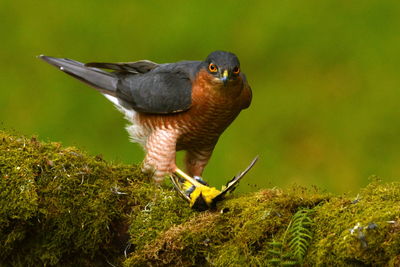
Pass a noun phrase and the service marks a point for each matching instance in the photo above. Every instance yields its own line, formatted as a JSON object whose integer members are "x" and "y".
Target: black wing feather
{"x": 232, "y": 184}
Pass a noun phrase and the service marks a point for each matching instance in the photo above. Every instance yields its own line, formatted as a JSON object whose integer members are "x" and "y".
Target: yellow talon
{"x": 187, "y": 177}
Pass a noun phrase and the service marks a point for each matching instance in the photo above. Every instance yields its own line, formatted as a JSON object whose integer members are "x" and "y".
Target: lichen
{"x": 62, "y": 207}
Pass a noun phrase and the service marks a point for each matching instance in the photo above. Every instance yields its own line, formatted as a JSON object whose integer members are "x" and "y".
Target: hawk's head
{"x": 224, "y": 66}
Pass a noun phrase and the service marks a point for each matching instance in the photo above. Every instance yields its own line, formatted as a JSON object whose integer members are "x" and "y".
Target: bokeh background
{"x": 325, "y": 77}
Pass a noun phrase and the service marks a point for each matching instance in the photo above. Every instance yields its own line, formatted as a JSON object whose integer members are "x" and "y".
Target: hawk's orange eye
{"x": 212, "y": 67}
{"x": 236, "y": 70}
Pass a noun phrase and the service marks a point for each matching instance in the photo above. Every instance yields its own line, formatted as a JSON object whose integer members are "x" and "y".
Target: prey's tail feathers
{"x": 103, "y": 81}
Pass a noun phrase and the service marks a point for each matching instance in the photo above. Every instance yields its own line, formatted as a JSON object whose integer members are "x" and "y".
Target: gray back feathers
{"x": 144, "y": 86}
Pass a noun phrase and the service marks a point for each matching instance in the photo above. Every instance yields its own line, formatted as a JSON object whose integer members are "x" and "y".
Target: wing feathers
{"x": 143, "y": 85}
{"x": 157, "y": 92}
{"x": 141, "y": 66}
{"x": 103, "y": 81}
{"x": 231, "y": 185}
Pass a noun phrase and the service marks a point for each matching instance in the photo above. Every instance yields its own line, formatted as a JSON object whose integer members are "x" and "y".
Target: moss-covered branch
{"x": 59, "y": 206}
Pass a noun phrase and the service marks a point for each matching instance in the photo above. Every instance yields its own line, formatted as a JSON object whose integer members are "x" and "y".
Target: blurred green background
{"x": 325, "y": 78}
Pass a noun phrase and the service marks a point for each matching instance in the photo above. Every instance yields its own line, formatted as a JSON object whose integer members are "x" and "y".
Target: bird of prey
{"x": 173, "y": 106}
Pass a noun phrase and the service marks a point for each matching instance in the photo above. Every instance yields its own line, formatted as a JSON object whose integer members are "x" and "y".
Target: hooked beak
{"x": 225, "y": 76}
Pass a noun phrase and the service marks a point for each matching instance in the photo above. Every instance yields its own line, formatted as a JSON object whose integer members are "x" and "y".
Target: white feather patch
{"x": 137, "y": 133}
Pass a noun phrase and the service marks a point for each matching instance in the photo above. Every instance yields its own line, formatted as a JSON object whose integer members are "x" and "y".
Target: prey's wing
{"x": 232, "y": 184}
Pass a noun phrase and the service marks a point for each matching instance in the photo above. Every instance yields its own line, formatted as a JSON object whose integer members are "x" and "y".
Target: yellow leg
{"x": 188, "y": 178}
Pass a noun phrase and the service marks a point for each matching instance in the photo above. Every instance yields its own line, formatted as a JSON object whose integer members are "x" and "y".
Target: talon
{"x": 190, "y": 190}
{"x": 200, "y": 180}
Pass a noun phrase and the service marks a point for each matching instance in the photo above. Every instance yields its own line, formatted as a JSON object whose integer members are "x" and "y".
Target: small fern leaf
{"x": 276, "y": 244}
{"x": 300, "y": 234}
{"x": 274, "y": 252}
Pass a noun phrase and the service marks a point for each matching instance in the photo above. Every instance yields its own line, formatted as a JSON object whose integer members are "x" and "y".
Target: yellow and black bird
{"x": 197, "y": 192}
{"x": 171, "y": 107}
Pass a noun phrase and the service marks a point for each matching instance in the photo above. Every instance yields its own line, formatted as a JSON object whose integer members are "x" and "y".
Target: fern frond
{"x": 289, "y": 263}
{"x": 296, "y": 240}
{"x": 275, "y": 261}
{"x": 299, "y": 233}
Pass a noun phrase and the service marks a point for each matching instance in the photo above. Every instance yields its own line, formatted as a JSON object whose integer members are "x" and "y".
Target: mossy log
{"x": 61, "y": 207}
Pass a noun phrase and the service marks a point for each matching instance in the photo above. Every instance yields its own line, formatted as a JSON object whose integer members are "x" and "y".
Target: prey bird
{"x": 174, "y": 106}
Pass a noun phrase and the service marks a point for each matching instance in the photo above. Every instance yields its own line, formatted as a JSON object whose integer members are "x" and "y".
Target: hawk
{"x": 173, "y": 106}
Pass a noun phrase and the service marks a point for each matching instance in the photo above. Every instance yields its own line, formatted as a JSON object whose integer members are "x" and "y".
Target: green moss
{"x": 363, "y": 230}
{"x": 239, "y": 236}
{"x": 59, "y": 206}
{"x": 57, "y": 203}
